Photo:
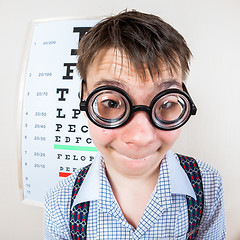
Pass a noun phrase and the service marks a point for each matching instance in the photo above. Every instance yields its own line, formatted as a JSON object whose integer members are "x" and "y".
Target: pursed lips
{"x": 134, "y": 155}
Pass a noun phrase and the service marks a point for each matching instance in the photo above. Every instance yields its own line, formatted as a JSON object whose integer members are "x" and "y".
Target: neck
{"x": 120, "y": 181}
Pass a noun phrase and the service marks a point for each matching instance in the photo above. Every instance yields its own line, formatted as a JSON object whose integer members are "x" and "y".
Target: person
{"x": 133, "y": 68}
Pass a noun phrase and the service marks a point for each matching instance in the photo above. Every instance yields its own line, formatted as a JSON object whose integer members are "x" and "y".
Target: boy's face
{"x": 137, "y": 147}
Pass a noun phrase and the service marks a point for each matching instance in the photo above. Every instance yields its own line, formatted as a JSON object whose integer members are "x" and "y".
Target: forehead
{"x": 111, "y": 64}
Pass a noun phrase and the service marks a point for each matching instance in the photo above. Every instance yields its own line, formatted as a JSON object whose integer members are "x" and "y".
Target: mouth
{"x": 134, "y": 156}
{"x": 140, "y": 155}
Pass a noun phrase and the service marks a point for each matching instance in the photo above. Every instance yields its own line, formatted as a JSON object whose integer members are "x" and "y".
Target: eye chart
{"x": 54, "y": 137}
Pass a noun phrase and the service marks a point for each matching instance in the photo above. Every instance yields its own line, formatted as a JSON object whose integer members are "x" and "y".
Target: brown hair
{"x": 146, "y": 40}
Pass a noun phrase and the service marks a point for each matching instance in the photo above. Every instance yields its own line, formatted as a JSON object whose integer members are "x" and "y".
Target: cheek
{"x": 101, "y": 136}
{"x": 169, "y": 137}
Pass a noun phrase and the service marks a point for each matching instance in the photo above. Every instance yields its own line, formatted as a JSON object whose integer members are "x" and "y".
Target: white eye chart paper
{"x": 54, "y": 136}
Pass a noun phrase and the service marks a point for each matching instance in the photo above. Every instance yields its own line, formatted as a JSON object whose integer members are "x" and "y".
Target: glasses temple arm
{"x": 82, "y": 104}
{"x": 193, "y": 106}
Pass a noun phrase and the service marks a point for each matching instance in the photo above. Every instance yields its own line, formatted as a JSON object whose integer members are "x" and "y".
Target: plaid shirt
{"x": 165, "y": 217}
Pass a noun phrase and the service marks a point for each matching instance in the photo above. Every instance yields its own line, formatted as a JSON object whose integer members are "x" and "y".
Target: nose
{"x": 139, "y": 131}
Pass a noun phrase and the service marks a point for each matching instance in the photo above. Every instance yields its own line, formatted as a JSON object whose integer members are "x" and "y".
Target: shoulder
{"x": 213, "y": 195}
{"x": 212, "y": 183}
{"x": 211, "y": 180}
{"x": 210, "y": 176}
{"x": 63, "y": 189}
{"x": 57, "y": 201}
{"x": 212, "y": 225}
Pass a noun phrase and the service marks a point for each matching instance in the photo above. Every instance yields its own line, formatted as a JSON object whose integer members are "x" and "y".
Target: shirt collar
{"x": 179, "y": 182}
{"x": 89, "y": 190}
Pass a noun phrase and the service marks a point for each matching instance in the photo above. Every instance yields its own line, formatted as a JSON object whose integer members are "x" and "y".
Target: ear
{"x": 84, "y": 90}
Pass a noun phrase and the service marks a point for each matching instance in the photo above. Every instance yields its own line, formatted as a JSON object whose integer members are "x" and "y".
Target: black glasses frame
{"x": 133, "y": 109}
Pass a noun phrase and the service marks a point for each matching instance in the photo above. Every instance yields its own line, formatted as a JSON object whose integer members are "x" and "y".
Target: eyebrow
{"x": 110, "y": 82}
{"x": 166, "y": 84}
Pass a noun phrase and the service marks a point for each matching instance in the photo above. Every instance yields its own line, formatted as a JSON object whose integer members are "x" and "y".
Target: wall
{"x": 212, "y": 30}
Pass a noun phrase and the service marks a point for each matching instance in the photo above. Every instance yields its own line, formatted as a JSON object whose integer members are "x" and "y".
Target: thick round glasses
{"x": 111, "y": 107}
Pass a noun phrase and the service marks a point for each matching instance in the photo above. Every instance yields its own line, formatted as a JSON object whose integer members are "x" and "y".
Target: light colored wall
{"x": 212, "y": 29}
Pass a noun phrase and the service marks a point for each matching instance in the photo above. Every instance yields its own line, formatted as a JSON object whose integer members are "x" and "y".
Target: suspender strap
{"x": 79, "y": 213}
{"x": 195, "y": 208}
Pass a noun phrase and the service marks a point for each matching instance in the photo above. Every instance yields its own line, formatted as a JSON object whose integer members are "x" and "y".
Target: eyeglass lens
{"x": 109, "y": 105}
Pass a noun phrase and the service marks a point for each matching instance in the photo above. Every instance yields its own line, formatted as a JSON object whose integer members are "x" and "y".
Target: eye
{"x": 167, "y": 105}
{"x": 168, "y": 108}
{"x": 111, "y": 103}
{"x": 108, "y": 107}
